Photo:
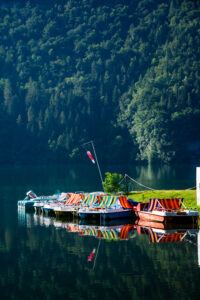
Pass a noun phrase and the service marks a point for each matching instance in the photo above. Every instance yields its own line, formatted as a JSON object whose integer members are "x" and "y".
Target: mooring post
{"x": 98, "y": 165}
{"x": 92, "y": 143}
{"x": 126, "y": 185}
{"x": 198, "y": 248}
{"x": 198, "y": 184}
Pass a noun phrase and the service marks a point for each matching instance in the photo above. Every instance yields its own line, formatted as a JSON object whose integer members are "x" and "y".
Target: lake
{"x": 47, "y": 258}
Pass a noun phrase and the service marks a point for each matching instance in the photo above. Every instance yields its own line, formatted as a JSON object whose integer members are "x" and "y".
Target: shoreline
{"x": 189, "y": 196}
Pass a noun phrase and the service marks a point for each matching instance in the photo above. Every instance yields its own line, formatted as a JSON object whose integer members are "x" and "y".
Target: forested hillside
{"x": 125, "y": 73}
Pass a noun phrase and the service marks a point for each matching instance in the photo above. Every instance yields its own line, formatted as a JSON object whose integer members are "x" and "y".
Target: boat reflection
{"x": 113, "y": 230}
{"x": 118, "y": 232}
{"x": 29, "y": 220}
{"x": 107, "y": 231}
{"x": 167, "y": 233}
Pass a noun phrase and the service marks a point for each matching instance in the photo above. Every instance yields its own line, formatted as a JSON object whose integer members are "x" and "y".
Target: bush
{"x": 112, "y": 182}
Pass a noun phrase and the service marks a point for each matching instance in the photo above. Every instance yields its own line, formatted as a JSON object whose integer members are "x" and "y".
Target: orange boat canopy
{"x": 173, "y": 203}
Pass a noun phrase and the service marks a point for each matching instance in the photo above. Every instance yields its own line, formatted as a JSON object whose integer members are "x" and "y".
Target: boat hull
{"x": 166, "y": 226}
{"x": 48, "y": 211}
{"x": 62, "y": 213}
{"x": 168, "y": 218}
{"x": 28, "y": 204}
{"x": 107, "y": 215}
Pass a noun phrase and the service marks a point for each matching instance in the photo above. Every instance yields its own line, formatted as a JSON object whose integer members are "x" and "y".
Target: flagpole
{"x": 100, "y": 174}
{"x": 97, "y": 164}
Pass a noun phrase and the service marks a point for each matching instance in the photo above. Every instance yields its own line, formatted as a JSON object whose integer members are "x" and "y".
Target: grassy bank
{"x": 189, "y": 197}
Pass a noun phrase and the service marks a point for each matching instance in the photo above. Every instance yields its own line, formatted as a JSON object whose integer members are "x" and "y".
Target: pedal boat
{"x": 166, "y": 211}
{"x": 109, "y": 207}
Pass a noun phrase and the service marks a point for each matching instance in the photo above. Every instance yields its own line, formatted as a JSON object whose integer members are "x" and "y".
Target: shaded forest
{"x": 123, "y": 73}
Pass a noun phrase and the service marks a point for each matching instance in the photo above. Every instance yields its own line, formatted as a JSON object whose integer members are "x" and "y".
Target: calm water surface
{"x": 48, "y": 258}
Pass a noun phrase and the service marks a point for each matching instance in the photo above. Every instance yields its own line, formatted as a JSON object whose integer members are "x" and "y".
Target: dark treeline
{"x": 123, "y": 73}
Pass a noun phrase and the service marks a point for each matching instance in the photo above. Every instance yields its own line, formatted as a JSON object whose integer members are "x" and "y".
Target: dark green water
{"x": 41, "y": 259}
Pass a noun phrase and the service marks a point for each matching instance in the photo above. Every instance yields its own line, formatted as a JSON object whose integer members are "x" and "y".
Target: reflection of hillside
{"x": 163, "y": 177}
{"x": 55, "y": 263}
{"x": 151, "y": 175}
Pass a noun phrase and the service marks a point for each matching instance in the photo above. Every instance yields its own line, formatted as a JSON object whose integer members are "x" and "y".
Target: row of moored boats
{"x": 101, "y": 205}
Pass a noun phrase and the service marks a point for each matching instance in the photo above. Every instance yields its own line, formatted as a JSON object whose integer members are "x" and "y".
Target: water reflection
{"x": 165, "y": 176}
{"x": 114, "y": 230}
{"x": 68, "y": 259}
{"x": 161, "y": 233}
{"x": 47, "y": 258}
{"x": 47, "y": 179}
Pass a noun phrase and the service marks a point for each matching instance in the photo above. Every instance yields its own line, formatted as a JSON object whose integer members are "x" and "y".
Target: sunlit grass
{"x": 189, "y": 197}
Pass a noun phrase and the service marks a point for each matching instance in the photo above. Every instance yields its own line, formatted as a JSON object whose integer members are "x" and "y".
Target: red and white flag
{"x": 90, "y": 156}
{"x": 90, "y": 258}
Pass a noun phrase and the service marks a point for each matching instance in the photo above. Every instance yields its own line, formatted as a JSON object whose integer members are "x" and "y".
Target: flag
{"x": 91, "y": 255}
{"x": 90, "y": 156}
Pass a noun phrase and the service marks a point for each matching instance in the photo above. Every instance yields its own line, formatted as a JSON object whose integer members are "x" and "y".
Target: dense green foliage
{"x": 112, "y": 182}
{"x": 124, "y": 73}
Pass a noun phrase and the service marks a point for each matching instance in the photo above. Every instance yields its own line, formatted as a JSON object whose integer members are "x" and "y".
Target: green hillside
{"x": 123, "y": 73}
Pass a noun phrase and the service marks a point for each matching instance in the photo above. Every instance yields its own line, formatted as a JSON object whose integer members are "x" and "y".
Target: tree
{"x": 8, "y": 97}
{"x": 32, "y": 95}
{"x": 112, "y": 183}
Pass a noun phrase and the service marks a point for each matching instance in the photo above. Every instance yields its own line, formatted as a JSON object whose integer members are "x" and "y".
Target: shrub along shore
{"x": 189, "y": 196}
